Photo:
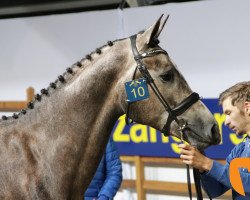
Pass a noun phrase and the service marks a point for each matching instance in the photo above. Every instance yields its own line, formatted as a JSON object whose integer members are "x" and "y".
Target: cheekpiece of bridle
{"x": 173, "y": 113}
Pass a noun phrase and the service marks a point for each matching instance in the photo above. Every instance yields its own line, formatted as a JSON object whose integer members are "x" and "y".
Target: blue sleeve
{"x": 113, "y": 172}
{"x": 212, "y": 185}
{"x": 216, "y": 181}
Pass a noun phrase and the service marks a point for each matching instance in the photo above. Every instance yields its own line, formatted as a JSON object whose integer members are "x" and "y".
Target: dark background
{"x": 23, "y": 8}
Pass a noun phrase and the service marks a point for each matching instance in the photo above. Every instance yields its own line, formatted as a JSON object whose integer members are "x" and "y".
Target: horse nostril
{"x": 216, "y": 137}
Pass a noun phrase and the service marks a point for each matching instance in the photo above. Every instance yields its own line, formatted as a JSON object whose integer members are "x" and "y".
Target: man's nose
{"x": 227, "y": 121}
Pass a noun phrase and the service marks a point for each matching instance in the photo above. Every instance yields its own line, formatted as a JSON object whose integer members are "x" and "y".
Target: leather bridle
{"x": 173, "y": 113}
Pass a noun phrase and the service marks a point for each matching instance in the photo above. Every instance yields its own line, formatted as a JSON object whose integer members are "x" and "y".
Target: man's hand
{"x": 191, "y": 156}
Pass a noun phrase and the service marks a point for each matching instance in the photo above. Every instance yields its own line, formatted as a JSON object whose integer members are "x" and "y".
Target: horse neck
{"x": 89, "y": 96}
{"x": 98, "y": 98}
{"x": 67, "y": 130}
{"x": 93, "y": 92}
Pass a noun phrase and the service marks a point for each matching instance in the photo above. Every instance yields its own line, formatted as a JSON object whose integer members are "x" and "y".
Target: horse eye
{"x": 167, "y": 76}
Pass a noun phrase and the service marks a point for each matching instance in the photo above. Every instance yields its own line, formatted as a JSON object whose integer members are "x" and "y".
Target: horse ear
{"x": 162, "y": 24}
{"x": 154, "y": 31}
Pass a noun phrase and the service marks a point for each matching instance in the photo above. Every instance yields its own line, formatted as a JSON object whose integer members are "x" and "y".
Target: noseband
{"x": 173, "y": 113}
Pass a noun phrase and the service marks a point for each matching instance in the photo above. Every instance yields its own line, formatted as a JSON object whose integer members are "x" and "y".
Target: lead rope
{"x": 189, "y": 182}
{"x": 197, "y": 181}
{"x": 188, "y": 173}
{"x": 198, "y": 177}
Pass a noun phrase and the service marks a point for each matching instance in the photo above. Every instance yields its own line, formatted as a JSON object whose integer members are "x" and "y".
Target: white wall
{"x": 208, "y": 40}
{"x": 34, "y": 51}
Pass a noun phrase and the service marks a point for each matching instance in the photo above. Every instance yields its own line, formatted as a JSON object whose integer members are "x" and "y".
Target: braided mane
{"x": 61, "y": 80}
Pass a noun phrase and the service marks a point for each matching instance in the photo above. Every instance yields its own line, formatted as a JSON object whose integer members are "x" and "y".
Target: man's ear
{"x": 247, "y": 107}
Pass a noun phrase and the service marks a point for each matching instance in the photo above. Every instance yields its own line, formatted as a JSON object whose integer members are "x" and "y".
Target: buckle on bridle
{"x": 182, "y": 125}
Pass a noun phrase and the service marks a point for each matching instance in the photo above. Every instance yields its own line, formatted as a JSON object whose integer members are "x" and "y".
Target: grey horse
{"x": 52, "y": 149}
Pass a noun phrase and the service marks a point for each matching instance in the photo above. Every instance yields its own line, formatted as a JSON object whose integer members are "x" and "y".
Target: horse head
{"x": 172, "y": 107}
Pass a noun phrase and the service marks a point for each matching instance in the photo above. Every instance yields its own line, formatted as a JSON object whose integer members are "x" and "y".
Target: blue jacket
{"x": 108, "y": 176}
{"x": 216, "y": 182}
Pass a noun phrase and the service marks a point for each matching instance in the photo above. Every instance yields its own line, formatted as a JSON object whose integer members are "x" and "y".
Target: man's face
{"x": 236, "y": 118}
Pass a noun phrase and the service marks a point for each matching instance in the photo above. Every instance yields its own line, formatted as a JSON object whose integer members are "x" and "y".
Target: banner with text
{"x": 142, "y": 140}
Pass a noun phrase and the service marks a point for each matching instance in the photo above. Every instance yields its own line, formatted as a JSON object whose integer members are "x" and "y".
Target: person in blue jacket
{"x": 215, "y": 179}
{"x": 108, "y": 176}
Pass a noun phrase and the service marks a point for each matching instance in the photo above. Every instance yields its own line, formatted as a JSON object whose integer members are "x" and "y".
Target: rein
{"x": 173, "y": 113}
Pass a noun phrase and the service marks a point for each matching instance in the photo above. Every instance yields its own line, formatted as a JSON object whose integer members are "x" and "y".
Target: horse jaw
{"x": 202, "y": 131}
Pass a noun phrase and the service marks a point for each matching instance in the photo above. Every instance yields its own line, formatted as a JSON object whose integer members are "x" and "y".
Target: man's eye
{"x": 167, "y": 76}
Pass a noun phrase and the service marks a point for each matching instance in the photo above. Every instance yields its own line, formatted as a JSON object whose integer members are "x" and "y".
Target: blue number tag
{"x": 137, "y": 90}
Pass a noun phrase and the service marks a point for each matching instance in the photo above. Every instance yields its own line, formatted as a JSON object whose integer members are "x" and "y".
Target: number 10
{"x": 140, "y": 91}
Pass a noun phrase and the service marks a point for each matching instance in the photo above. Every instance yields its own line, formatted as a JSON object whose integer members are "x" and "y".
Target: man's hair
{"x": 239, "y": 93}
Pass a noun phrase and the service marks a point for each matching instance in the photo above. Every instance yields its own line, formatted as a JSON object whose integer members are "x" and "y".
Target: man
{"x": 108, "y": 176}
{"x": 235, "y": 102}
